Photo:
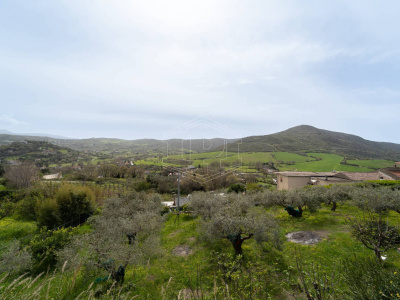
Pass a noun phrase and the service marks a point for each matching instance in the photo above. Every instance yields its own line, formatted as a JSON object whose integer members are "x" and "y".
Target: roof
{"x": 391, "y": 173}
{"x": 307, "y": 174}
{"x": 332, "y": 179}
{"x": 362, "y": 176}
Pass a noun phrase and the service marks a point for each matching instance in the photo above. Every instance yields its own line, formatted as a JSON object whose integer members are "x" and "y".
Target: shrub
{"x": 237, "y": 188}
{"x": 15, "y": 259}
{"x": 27, "y": 208}
{"x": 75, "y": 204}
{"x": 71, "y": 207}
{"x": 47, "y": 214}
{"x": 44, "y": 247}
{"x": 253, "y": 188}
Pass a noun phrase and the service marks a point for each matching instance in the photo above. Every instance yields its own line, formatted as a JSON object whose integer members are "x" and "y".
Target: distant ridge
{"x": 3, "y": 131}
{"x": 305, "y": 138}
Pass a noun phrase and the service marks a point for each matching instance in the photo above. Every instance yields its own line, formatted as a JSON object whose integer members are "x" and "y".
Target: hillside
{"x": 110, "y": 144}
{"x": 298, "y": 139}
{"x": 306, "y": 138}
{"x": 40, "y": 152}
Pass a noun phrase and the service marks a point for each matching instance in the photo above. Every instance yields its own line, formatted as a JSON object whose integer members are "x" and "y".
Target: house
{"x": 53, "y": 176}
{"x": 393, "y": 172}
{"x": 292, "y": 180}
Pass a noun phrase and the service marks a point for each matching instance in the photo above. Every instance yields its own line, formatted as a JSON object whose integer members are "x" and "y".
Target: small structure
{"x": 293, "y": 180}
{"x": 393, "y": 173}
{"x": 53, "y": 176}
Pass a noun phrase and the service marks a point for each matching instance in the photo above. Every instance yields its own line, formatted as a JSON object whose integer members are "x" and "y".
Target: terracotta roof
{"x": 391, "y": 173}
{"x": 362, "y": 176}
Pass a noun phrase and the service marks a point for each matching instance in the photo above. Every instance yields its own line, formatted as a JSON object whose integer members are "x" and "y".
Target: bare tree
{"x": 22, "y": 175}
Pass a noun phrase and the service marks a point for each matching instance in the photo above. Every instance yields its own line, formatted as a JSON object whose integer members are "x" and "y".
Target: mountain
{"x": 302, "y": 138}
{"x": 3, "y": 131}
{"x": 305, "y": 138}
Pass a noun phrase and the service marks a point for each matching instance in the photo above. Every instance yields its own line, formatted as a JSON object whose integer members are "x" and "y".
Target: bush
{"x": 15, "y": 259}
{"x": 253, "y": 188}
{"x": 142, "y": 186}
{"x": 75, "y": 204}
{"x": 47, "y": 215}
{"x": 71, "y": 207}
{"x": 27, "y": 208}
{"x": 44, "y": 247}
{"x": 237, "y": 188}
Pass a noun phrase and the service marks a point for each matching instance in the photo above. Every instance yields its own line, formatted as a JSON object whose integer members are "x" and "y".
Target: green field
{"x": 374, "y": 164}
{"x": 284, "y": 161}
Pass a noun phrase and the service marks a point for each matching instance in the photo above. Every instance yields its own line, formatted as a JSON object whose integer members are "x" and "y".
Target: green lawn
{"x": 373, "y": 164}
{"x": 13, "y": 229}
{"x": 328, "y": 162}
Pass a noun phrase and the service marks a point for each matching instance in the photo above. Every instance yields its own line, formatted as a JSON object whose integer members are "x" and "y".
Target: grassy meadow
{"x": 200, "y": 273}
{"x": 284, "y": 161}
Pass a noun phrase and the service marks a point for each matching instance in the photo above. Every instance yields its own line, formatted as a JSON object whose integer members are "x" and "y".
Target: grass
{"x": 166, "y": 276}
{"x": 372, "y": 164}
{"x": 328, "y": 162}
{"x": 12, "y": 229}
{"x": 312, "y": 162}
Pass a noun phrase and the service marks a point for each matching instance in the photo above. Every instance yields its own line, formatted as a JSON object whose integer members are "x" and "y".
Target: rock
{"x": 182, "y": 250}
{"x": 305, "y": 237}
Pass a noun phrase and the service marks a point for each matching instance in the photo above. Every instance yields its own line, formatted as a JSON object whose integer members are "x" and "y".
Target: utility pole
{"x": 179, "y": 190}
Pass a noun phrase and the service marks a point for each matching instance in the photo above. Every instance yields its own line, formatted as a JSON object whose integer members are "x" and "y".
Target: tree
{"x": 234, "y": 219}
{"x": 378, "y": 200}
{"x": 71, "y": 206}
{"x": 237, "y": 188}
{"x": 126, "y": 232}
{"x": 22, "y": 175}
{"x": 107, "y": 170}
{"x": 2, "y": 170}
{"x": 375, "y": 233}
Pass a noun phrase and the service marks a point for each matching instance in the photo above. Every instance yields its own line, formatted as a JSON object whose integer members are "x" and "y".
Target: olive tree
{"x": 126, "y": 232}
{"x": 337, "y": 193}
{"x": 375, "y": 233}
{"x": 378, "y": 200}
{"x": 234, "y": 218}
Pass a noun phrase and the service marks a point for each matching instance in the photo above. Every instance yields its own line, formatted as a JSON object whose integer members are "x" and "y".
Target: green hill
{"x": 306, "y": 138}
{"x": 40, "y": 152}
{"x": 174, "y": 146}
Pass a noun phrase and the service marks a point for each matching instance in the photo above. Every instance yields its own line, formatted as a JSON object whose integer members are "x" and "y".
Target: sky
{"x": 140, "y": 69}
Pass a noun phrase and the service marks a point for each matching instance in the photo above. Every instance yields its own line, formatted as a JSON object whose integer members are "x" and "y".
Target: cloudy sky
{"x": 135, "y": 69}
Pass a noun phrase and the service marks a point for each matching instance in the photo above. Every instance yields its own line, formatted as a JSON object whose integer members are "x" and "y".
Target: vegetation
{"x": 100, "y": 232}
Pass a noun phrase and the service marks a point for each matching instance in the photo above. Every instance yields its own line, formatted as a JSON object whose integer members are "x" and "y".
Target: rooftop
{"x": 307, "y": 174}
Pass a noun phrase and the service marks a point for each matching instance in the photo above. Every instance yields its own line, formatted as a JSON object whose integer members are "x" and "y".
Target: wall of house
{"x": 290, "y": 183}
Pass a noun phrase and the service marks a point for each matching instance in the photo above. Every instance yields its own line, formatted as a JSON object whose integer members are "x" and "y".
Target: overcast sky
{"x": 137, "y": 69}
